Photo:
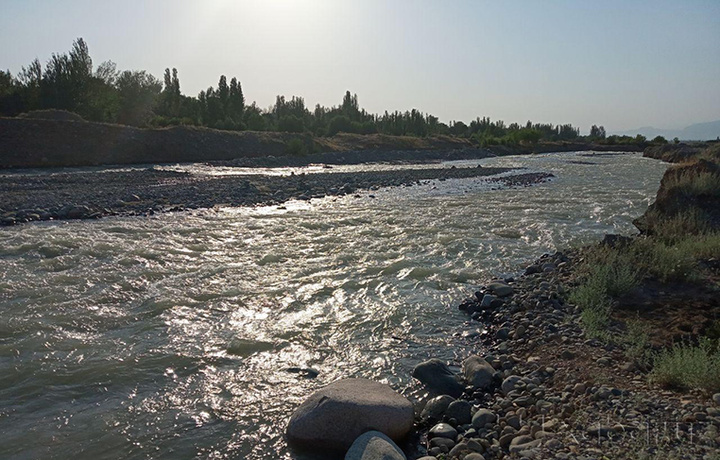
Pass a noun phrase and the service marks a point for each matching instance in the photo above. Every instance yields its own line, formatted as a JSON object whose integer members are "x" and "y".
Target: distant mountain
{"x": 697, "y": 132}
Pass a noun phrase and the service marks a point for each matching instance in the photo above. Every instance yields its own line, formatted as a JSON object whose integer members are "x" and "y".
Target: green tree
{"x": 236, "y": 100}
{"x": 137, "y": 93}
{"x": 597, "y": 132}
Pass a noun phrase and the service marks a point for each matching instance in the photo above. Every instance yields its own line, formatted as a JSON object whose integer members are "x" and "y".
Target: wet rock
{"x": 443, "y": 430}
{"x": 479, "y": 373}
{"x": 533, "y": 269}
{"x": 333, "y": 417}
{"x": 435, "y": 408}
{"x": 438, "y": 378}
{"x": 374, "y": 445}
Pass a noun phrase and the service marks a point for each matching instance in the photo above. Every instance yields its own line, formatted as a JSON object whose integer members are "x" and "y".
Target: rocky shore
{"x": 544, "y": 389}
{"x": 92, "y": 194}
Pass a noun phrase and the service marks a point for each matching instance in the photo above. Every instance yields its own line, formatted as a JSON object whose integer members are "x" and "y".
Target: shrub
{"x": 693, "y": 183}
{"x": 595, "y": 320}
{"x": 686, "y": 366}
{"x": 671, "y": 229}
{"x": 663, "y": 261}
{"x": 610, "y": 270}
{"x": 637, "y": 343}
{"x": 296, "y": 147}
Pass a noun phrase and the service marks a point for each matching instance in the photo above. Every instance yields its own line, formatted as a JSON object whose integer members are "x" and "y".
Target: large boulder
{"x": 335, "y": 416}
{"x": 479, "y": 373}
{"x": 438, "y": 378}
{"x": 374, "y": 445}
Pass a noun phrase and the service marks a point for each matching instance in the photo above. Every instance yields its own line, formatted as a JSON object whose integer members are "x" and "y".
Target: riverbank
{"x": 63, "y": 142}
{"x": 609, "y": 351}
{"x": 93, "y": 194}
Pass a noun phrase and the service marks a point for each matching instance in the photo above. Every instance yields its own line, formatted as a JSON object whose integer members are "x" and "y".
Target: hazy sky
{"x": 624, "y": 64}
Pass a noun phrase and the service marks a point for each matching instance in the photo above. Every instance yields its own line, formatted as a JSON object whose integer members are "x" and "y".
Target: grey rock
{"x": 506, "y": 439}
{"x": 460, "y": 411}
{"x": 427, "y": 457}
{"x": 600, "y": 430}
{"x": 523, "y": 442}
{"x": 479, "y": 373}
{"x": 77, "y": 212}
{"x": 604, "y": 361}
{"x": 511, "y": 383}
{"x": 501, "y": 289}
{"x": 482, "y": 417}
{"x": 435, "y": 408}
{"x": 524, "y": 401}
{"x": 460, "y": 451}
{"x": 551, "y": 425}
{"x": 603, "y": 393}
{"x": 553, "y": 444}
{"x": 333, "y": 417}
{"x": 487, "y": 301}
{"x": 716, "y": 399}
{"x": 474, "y": 456}
{"x": 438, "y": 378}
{"x": 514, "y": 421}
{"x": 374, "y": 445}
{"x": 503, "y": 333}
{"x": 443, "y": 430}
{"x": 442, "y": 442}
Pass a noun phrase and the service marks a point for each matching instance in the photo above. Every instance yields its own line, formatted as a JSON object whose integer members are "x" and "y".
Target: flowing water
{"x": 189, "y": 335}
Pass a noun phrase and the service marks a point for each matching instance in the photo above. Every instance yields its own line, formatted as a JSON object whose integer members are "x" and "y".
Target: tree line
{"x": 69, "y": 82}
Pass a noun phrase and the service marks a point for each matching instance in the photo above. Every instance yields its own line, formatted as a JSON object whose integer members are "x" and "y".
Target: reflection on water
{"x": 197, "y": 334}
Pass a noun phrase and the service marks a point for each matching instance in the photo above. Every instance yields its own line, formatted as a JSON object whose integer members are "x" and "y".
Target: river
{"x": 190, "y": 334}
